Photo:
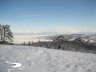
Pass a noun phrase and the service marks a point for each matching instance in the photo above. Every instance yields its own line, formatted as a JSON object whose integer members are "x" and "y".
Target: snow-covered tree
{"x": 6, "y": 34}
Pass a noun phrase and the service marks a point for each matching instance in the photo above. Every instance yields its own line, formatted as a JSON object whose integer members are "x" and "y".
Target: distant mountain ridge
{"x": 53, "y": 33}
{"x": 91, "y": 38}
{"x": 85, "y": 36}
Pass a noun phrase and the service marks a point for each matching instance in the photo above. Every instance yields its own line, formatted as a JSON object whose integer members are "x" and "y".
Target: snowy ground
{"x": 34, "y": 59}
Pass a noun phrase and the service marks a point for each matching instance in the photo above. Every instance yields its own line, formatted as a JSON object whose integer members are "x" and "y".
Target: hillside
{"x": 35, "y": 59}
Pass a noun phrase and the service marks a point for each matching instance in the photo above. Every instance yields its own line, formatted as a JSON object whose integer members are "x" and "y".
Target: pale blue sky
{"x": 49, "y": 15}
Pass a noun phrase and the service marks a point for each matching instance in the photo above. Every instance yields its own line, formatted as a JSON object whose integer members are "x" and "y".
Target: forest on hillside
{"x": 60, "y": 43}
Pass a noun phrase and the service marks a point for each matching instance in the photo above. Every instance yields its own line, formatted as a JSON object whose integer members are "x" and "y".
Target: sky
{"x": 49, "y": 15}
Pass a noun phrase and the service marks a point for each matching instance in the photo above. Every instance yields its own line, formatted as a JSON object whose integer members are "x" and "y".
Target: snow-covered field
{"x": 35, "y": 59}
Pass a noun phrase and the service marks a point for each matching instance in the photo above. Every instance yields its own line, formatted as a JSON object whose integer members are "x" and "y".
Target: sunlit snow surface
{"x": 13, "y": 65}
{"x": 35, "y": 59}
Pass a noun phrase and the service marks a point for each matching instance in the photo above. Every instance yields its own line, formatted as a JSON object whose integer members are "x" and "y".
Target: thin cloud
{"x": 31, "y": 15}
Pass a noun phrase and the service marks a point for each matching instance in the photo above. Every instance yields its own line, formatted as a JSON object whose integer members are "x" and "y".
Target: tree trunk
{"x": 4, "y": 35}
{"x": 1, "y": 37}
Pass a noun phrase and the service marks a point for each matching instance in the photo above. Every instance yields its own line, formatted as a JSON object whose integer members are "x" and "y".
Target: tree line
{"x": 60, "y": 43}
{"x": 5, "y": 34}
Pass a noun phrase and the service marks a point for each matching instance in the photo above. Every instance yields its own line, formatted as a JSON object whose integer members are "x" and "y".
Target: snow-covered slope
{"x": 35, "y": 59}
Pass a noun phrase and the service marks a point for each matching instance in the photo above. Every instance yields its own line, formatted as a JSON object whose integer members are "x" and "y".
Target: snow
{"x": 36, "y": 59}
